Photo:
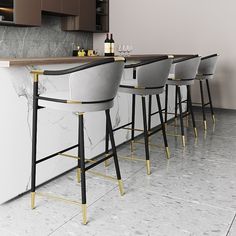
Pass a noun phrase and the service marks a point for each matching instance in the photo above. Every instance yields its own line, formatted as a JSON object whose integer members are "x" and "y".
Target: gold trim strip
{"x": 148, "y": 167}
{"x": 84, "y": 214}
{"x": 102, "y": 175}
{"x": 47, "y": 195}
{"x": 73, "y": 102}
{"x": 121, "y": 187}
{"x": 39, "y": 72}
{"x": 119, "y": 59}
{"x": 32, "y": 200}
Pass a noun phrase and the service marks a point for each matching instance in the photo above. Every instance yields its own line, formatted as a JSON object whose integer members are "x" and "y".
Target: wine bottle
{"x": 107, "y": 46}
{"x": 112, "y": 46}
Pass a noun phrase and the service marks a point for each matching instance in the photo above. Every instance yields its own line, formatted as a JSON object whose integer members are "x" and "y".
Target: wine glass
{"x": 120, "y": 49}
{"x": 129, "y": 49}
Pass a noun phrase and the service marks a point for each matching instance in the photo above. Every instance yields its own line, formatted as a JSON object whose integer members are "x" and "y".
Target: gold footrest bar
{"x": 121, "y": 187}
{"x": 150, "y": 144}
{"x": 32, "y": 200}
{"x": 131, "y": 158}
{"x": 174, "y": 135}
{"x": 47, "y": 195}
{"x": 75, "y": 157}
{"x": 141, "y": 130}
{"x": 102, "y": 175}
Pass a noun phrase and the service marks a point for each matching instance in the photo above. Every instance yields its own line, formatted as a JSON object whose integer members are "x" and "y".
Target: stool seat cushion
{"x": 130, "y": 86}
{"x": 64, "y": 95}
{"x": 183, "y": 82}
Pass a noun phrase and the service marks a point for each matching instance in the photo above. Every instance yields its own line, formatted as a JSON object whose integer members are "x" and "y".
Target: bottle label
{"x": 107, "y": 48}
{"x": 112, "y": 48}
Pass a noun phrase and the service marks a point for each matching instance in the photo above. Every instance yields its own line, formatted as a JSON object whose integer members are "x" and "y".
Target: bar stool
{"x": 149, "y": 77}
{"x": 92, "y": 87}
{"x": 185, "y": 70}
{"x": 206, "y": 72}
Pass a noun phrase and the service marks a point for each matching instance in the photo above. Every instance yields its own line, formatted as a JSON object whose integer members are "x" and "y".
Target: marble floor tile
{"x": 143, "y": 212}
{"x": 232, "y": 231}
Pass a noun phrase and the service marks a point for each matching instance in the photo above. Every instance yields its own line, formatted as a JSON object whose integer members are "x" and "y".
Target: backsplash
{"x": 45, "y": 41}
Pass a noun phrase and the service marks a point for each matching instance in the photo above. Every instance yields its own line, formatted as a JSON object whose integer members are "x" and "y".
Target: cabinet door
{"x": 27, "y": 12}
{"x": 70, "y": 7}
{"x": 87, "y": 15}
{"x": 51, "y": 6}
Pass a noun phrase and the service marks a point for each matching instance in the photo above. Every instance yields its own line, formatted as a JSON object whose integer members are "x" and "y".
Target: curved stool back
{"x": 207, "y": 66}
{"x": 98, "y": 83}
{"x": 206, "y": 71}
{"x": 153, "y": 74}
{"x": 187, "y": 69}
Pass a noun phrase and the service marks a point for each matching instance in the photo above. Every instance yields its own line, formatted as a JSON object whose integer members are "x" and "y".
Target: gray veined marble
{"x": 45, "y": 41}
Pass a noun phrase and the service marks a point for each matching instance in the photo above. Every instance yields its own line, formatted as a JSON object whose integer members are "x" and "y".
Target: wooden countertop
{"x": 7, "y": 62}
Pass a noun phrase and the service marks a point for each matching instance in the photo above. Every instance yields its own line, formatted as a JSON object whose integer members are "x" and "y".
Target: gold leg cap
{"x": 195, "y": 132}
{"x": 32, "y": 200}
{"x": 205, "y": 125}
{"x": 78, "y": 175}
{"x": 183, "y": 141}
{"x": 167, "y": 152}
{"x": 121, "y": 187}
{"x": 84, "y": 214}
{"x": 148, "y": 167}
{"x": 214, "y": 119}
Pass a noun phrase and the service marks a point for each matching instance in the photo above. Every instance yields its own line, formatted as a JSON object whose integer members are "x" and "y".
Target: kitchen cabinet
{"x": 20, "y": 12}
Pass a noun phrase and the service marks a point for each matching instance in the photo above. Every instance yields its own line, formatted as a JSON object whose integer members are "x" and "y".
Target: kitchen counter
{"x": 57, "y": 130}
{"x": 7, "y": 62}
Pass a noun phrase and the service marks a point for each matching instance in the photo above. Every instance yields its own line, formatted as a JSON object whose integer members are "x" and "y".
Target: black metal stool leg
{"x": 163, "y": 126}
{"x": 191, "y": 109}
{"x": 181, "y": 116}
{"x": 146, "y": 136}
{"x": 203, "y": 103}
{"x": 34, "y": 140}
{"x": 176, "y": 104}
{"x": 120, "y": 183}
{"x": 82, "y": 166}
{"x": 133, "y": 122}
{"x": 106, "y": 145}
{"x": 210, "y": 101}
{"x": 78, "y": 164}
{"x": 149, "y": 112}
{"x": 166, "y": 105}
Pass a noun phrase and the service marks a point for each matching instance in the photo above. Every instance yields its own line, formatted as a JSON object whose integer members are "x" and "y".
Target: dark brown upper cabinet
{"x": 93, "y": 17}
{"x": 60, "y": 7}
{"x": 52, "y": 6}
{"x": 70, "y": 7}
{"x": 20, "y": 12}
{"x": 86, "y": 19}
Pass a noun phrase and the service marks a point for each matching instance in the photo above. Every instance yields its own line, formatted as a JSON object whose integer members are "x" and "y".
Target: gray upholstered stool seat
{"x": 149, "y": 78}
{"x": 205, "y": 73}
{"x": 92, "y": 87}
{"x": 183, "y": 74}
